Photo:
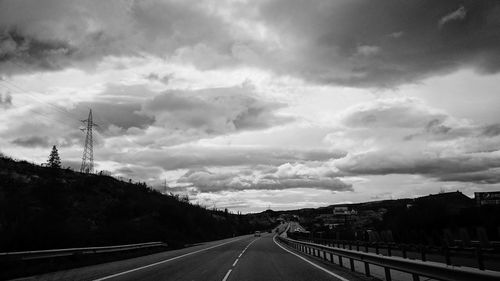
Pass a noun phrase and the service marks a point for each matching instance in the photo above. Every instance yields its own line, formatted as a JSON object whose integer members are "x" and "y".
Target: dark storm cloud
{"x": 360, "y": 43}
{"x": 409, "y": 137}
{"x": 379, "y": 163}
{"x": 214, "y": 111}
{"x": 165, "y": 79}
{"x": 384, "y": 43}
{"x": 489, "y": 176}
{"x": 179, "y": 116}
{"x": 39, "y": 54}
{"x": 189, "y": 157}
{"x": 55, "y": 34}
{"x": 44, "y": 128}
{"x": 395, "y": 113}
{"x": 205, "y": 181}
{"x": 123, "y": 115}
{"x": 491, "y": 130}
{"x": 5, "y": 100}
{"x": 32, "y": 141}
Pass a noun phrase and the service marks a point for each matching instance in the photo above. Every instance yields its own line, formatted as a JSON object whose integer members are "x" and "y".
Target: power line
{"x": 46, "y": 116}
{"x": 25, "y": 92}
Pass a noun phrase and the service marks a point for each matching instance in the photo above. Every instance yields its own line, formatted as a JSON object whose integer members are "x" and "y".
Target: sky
{"x": 256, "y": 104}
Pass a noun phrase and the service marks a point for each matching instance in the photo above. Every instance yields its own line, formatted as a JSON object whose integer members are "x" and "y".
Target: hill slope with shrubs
{"x": 47, "y": 208}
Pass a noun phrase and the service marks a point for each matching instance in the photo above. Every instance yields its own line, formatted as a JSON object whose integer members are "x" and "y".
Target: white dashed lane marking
{"x": 237, "y": 259}
{"x": 227, "y": 275}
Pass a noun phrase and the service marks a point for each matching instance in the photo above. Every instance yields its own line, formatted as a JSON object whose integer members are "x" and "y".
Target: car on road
{"x": 257, "y": 234}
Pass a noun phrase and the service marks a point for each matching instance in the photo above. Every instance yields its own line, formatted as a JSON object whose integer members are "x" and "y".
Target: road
{"x": 242, "y": 258}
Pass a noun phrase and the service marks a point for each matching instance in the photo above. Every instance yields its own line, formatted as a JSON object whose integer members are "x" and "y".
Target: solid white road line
{"x": 310, "y": 262}
{"x": 227, "y": 275}
{"x": 164, "y": 261}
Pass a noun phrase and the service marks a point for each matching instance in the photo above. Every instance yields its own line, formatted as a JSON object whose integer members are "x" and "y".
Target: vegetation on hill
{"x": 46, "y": 208}
{"x": 420, "y": 220}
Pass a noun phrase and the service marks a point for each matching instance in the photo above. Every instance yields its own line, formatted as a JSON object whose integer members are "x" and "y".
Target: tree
{"x": 54, "y": 160}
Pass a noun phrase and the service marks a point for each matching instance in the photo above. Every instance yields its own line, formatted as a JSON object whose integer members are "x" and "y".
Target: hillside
{"x": 409, "y": 219}
{"x": 43, "y": 208}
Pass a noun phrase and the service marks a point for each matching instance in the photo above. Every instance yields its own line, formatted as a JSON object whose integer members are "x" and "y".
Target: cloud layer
{"x": 316, "y": 101}
{"x": 358, "y": 43}
{"x": 261, "y": 178}
{"x": 405, "y": 136}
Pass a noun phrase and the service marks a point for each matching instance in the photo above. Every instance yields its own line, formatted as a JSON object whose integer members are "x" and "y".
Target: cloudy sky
{"x": 247, "y": 104}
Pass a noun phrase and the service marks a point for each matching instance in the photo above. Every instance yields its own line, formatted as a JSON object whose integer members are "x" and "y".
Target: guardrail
{"x": 31, "y": 255}
{"x": 476, "y": 255}
{"x": 414, "y": 267}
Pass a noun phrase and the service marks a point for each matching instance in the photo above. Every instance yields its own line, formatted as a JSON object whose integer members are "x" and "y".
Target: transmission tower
{"x": 88, "y": 151}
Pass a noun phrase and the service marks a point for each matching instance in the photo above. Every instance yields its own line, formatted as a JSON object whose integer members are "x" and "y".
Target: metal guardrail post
{"x": 331, "y": 258}
{"x": 351, "y": 263}
{"x": 367, "y": 269}
{"x": 387, "y": 274}
{"x": 480, "y": 261}
{"x": 340, "y": 261}
{"x": 447, "y": 255}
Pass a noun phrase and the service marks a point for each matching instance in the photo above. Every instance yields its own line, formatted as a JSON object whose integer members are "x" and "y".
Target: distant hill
{"x": 409, "y": 219}
{"x": 44, "y": 208}
{"x": 453, "y": 200}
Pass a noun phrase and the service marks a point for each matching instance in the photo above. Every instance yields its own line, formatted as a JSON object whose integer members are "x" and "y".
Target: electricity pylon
{"x": 88, "y": 151}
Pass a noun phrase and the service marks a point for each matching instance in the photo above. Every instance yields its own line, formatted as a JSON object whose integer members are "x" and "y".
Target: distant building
{"x": 487, "y": 198}
{"x": 341, "y": 216}
{"x": 343, "y": 211}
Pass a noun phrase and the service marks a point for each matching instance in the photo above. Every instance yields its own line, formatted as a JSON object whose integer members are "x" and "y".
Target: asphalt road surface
{"x": 242, "y": 258}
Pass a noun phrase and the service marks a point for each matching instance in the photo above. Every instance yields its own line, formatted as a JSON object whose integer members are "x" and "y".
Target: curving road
{"x": 242, "y": 258}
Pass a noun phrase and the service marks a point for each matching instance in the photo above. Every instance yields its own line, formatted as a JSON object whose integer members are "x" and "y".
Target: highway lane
{"x": 265, "y": 260}
{"x": 241, "y": 258}
{"x": 95, "y": 272}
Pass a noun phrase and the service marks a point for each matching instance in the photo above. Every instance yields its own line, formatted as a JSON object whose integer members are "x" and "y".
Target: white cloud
{"x": 367, "y": 50}
{"x": 456, "y": 15}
